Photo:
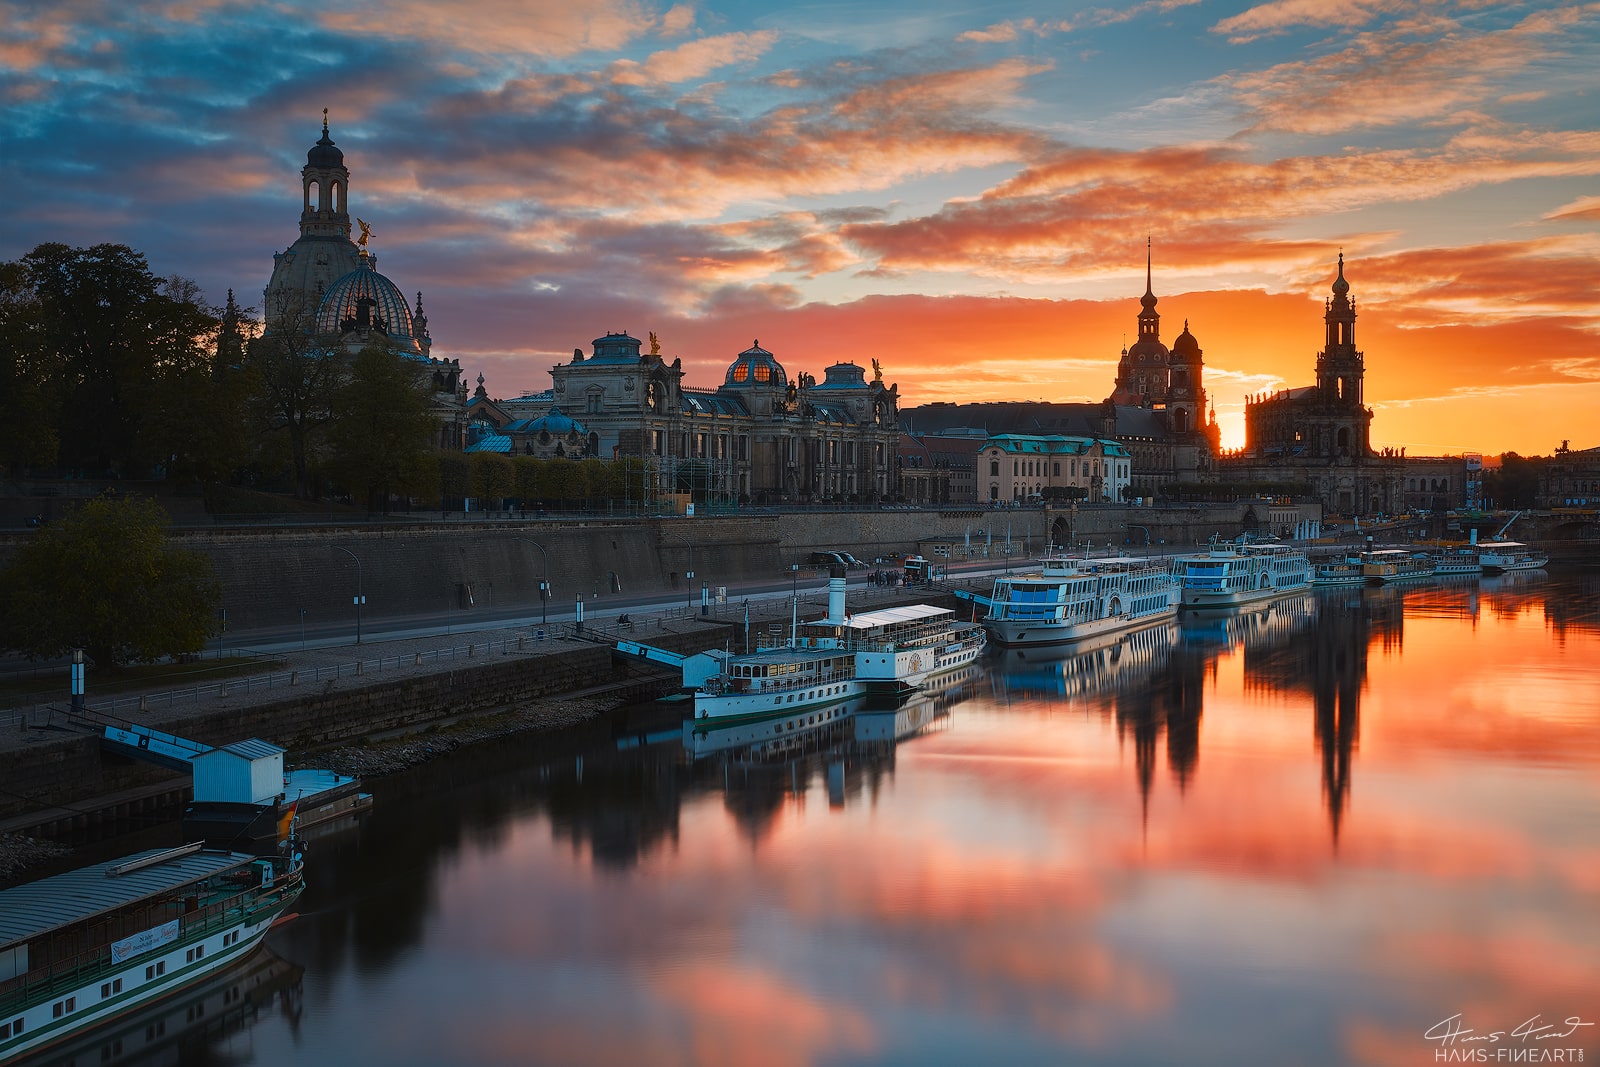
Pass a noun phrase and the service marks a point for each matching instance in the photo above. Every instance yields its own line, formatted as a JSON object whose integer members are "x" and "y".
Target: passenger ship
{"x": 1071, "y": 598}
{"x": 1496, "y": 557}
{"x": 830, "y": 660}
{"x": 1341, "y": 569}
{"x": 1228, "y": 576}
{"x": 1383, "y": 566}
{"x": 91, "y": 945}
{"x": 1457, "y": 561}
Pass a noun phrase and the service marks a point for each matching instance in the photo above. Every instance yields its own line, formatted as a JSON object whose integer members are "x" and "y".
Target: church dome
{"x": 556, "y": 423}
{"x": 1185, "y": 346}
{"x": 365, "y": 301}
{"x": 756, "y": 366}
{"x": 616, "y": 348}
{"x": 325, "y": 153}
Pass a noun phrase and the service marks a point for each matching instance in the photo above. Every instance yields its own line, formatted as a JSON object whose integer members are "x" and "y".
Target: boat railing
{"x": 71, "y": 972}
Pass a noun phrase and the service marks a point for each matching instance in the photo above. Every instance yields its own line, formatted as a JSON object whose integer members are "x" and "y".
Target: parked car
{"x": 827, "y": 559}
{"x": 850, "y": 561}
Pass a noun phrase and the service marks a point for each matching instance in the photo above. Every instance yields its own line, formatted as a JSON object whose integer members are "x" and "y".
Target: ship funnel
{"x": 1474, "y": 538}
{"x": 836, "y": 582}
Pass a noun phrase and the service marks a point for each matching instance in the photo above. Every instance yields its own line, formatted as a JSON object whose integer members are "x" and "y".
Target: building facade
{"x": 1023, "y": 468}
{"x": 1318, "y": 437}
{"x": 760, "y": 436}
{"x": 327, "y": 285}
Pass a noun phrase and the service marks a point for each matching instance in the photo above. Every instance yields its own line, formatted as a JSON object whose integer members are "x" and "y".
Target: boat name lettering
{"x": 140, "y": 943}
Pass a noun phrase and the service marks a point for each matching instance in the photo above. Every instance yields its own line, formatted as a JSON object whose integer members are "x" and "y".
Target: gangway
{"x": 696, "y": 669}
{"x": 976, "y": 598}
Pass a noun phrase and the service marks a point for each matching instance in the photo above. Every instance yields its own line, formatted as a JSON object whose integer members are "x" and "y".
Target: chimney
{"x": 836, "y": 582}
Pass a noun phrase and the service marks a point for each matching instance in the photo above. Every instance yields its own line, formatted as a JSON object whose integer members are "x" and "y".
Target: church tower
{"x": 1142, "y": 373}
{"x": 1340, "y": 367}
{"x": 324, "y": 252}
{"x": 1341, "y": 370}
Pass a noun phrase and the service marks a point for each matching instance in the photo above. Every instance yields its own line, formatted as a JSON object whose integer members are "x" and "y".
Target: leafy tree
{"x": 29, "y": 411}
{"x": 493, "y": 478}
{"x": 294, "y": 374}
{"x": 1516, "y": 483}
{"x": 564, "y": 481}
{"x": 105, "y": 580}
{"x": 126, "y": 350}
{"x": 382, "y": 429}
{"x": 455, "y": 476}
{"x": 529, "y": 474}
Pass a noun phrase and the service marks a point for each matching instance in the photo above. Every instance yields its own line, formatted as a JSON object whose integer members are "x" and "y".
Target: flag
{"x": 286, "y": 821}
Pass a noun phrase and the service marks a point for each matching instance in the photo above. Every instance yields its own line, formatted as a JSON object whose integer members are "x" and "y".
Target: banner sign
{"x": 138, "y": 944}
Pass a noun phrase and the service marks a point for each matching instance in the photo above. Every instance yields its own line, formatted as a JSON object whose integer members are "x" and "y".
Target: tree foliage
{"x": 104, "y": 579}
{"x": 293, "y": 376}
{"x": 382, "y": 430}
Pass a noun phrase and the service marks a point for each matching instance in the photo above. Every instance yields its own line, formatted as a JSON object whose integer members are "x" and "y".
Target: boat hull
{"x": 1013, "y": 633}
{"x": 103, "y": 994}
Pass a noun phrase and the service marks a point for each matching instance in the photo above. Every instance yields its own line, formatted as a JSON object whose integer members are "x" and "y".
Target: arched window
{"x": 741, "y": 371}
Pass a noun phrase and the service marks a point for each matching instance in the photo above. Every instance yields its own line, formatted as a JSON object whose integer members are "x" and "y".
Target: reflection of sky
{"x": 1005, "y": 896}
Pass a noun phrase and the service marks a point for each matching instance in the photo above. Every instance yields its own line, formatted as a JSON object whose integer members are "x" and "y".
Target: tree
{"x": 382, "y": 428}
{"x": 125, "y": 350}
{"x": 105, "y": 580}
{"x": 493, "y": 479}
{"x": 294, "y": 374}
{"x": 29, "y": 411}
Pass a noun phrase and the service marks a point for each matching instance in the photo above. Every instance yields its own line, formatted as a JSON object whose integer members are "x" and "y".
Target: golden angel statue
{"x": 877, "y": 371}
{"x": 655, "y": 344}
{"x": 366, "y": 233}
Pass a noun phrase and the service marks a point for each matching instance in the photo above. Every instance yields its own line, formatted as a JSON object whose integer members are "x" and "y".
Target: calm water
{"x": 1309, "y": 835}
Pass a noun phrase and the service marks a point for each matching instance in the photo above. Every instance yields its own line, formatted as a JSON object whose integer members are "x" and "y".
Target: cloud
{"x": 1583, "y": 209}
{"x": 1010, "y": 30}
{"x": 695, "y": 59}
{"x": 1280, "y": 16}
{"x": 1422, "y": 69}
{"x": 502, "y": 26}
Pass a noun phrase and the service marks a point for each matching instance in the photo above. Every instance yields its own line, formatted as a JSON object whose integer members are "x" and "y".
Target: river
{"x": 1357, "y": 827}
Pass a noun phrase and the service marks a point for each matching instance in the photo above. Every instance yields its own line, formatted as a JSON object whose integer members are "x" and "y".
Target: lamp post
{"x": 1141, "y": 529}
{"x": 360, "y": 598}
{"x": 544, "y": 586}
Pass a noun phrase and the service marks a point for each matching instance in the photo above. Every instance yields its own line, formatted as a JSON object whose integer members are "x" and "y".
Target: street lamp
{"x": 544, "y": 586}
{"x": 360, "y": 598}
{"x": 1141, "y": 529}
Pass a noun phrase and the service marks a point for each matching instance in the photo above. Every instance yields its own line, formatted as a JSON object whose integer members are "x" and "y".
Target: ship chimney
{"x": 1474, "y": 538}
{"x": 836, "y": 582}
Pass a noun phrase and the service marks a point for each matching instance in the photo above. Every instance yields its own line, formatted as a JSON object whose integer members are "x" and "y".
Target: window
{"x": 994, "y": 468}
{"x": 64, "y": 1007}
{"x": 108, "y": 989}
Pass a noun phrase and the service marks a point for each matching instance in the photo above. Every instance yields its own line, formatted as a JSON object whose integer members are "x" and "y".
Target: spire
{"x": 1149, "y": 298}
{"x": 1340, "y": 286}
{"x": 324, "y": 122}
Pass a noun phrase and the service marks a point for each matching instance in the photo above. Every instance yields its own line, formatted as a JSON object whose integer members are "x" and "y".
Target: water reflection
{"x": 1299, "y": 833}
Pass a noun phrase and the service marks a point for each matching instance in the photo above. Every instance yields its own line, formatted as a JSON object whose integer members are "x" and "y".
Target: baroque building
{"x": 759, "y": 436}
{"x": 1158, "y": 412}
{"x": 328, "y": 285}
{"x": 1319, "y": 436}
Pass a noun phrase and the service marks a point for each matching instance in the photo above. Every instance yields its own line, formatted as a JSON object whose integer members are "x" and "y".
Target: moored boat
{"x": 828, "y": 661}
{"x": 1071, "y": 598}
{"x": 1497, "y": 557}
{"x": 1337, "y": 570}
{"x": 1455, "y": 561}
{"x": 85, "y": 947}
{"x": 1382, "y": 566}
{"x": 1230, "y": 575}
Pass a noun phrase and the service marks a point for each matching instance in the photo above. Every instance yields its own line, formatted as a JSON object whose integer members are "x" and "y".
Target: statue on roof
{"x": 366, "y": 233}
{"x": 655, "y": 344}
{"x": 877, "y": 371}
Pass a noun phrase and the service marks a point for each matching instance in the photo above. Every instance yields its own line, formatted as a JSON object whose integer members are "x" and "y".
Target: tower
{"x": 1340, "y": 367}
{"x": 324, "y": 253}
{"x": 1143, "y": 372}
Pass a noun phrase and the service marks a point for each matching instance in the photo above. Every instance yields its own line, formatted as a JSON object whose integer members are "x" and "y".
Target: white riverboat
{"x": 1337, "y": 570}
{"x": 1497, "y": 557}
{"x": 1071, "y": 598}
{"x": 828, "y": 661}
{"x": 1456, "y": 561}
{"x": 1231, "y": 575}
{"x": 1386, "y": 566}
{"x": 83, "y": 948}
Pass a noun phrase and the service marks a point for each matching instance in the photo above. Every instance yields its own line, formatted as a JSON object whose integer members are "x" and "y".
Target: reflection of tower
{"x": 1330, "y": 659}
{"x": 1170, "y": 701}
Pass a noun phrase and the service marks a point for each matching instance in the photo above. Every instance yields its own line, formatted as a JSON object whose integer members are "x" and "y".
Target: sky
{"x": 963, "y": 191}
